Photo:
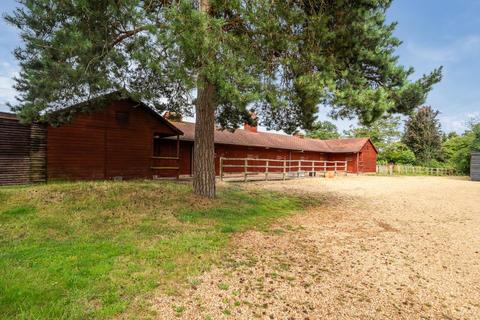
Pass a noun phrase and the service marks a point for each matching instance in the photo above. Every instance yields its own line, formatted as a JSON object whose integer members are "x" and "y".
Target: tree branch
{"x": 127, "y": 34}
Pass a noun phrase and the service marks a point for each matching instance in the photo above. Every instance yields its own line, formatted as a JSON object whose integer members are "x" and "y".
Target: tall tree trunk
{"x": 204, "y": 152}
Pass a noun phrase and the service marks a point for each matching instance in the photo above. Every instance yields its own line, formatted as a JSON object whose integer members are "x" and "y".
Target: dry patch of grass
{"x": 98, "y": 249}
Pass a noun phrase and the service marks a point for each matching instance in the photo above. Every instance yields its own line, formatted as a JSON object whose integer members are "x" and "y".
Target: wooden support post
{"x": 221, "y": 168}
{"x": 313, "y": 168}
{"x": 266, "y": 170}
{"x": 335, "y": 167}
{"x": 284, "y": 168}
{"x": 245, "y": 168}
{"x": 178, "y": 156}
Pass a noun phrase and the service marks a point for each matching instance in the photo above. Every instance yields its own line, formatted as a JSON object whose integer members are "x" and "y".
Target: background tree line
{"x": 420, "y": 141}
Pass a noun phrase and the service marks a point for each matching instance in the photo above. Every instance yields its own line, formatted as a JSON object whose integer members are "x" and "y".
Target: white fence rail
{"x": 399, "y": 169}
{"x": 265, "y": 169}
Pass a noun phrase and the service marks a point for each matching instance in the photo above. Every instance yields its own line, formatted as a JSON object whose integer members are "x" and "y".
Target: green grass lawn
{"x": 98, "y": 249}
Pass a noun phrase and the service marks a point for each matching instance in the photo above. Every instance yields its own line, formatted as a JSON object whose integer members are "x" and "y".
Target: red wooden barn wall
{"x": 231, "y": 151}
{"x": 368, "y": 158}
{"x": 168, "y": 148}
{"x": 101, "y": 145}
{"x": 98, "y": 146}
{"x": 234, "y": 151}
{"x": 349, "y": 157}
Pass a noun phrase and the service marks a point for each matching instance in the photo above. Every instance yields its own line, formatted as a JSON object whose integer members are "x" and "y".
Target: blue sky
{"x": 434, "y": 33}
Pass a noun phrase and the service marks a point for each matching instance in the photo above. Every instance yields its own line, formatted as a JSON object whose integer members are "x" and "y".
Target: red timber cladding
{"x": 100, "y": 145}
{"x": 351, "y": 159}
{"x": 234, "y": 151}
{"x": 368, "y": 158}
{"x": 231, "y": 151}
{"x": 168, "y": 148}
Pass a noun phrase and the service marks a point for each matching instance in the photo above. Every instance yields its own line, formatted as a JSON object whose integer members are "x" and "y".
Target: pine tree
{"x": 423, "y": 135}
{"x": 280, "y": 58}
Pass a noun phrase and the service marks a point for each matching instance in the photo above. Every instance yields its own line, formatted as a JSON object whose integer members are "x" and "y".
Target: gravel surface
{"x": 375, "y": 248}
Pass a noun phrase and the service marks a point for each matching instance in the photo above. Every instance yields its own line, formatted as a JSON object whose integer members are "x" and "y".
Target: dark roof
{"x": 274, "y": 140}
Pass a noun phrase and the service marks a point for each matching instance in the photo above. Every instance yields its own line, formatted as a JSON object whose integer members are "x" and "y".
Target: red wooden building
{"x": 127, "y": 139}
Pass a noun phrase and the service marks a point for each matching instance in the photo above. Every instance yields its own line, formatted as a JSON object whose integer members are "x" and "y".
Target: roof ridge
{"x": 276, "y": 140}
{"x": 280, "y": 134}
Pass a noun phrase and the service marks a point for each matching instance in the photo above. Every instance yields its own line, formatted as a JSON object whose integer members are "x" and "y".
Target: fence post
{"x": 245, "y": 170}
{"x": 284, "y": 168}
{"x": 221, "y": 168}
{"x": 335, "y": 167}
{"x": 346, "y": 167}
{"x": 266, "y": 171}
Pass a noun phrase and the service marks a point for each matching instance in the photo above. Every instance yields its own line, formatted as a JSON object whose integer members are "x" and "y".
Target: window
{"x": 122, "y": 118}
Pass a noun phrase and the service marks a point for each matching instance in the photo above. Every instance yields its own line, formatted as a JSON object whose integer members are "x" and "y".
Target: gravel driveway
{"x": 376, "y": 248}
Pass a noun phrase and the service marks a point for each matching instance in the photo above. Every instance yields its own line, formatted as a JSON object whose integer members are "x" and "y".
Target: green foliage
{"x": 423, "y": 135}
{"x": 457, "y": 149}
{"x": 323, "y": 130}
{"x": 281, "y": 58}
{"x": 94, "y": 250}
{"x": 398, "y": 153}
{"x": 382, "y": 132}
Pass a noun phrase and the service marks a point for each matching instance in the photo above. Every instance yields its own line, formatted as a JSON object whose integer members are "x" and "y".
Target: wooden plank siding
{"x": 22, "y": 152}
{"x": 230, "y": 151}
{"x": 367, "y": 159}
{"x": 114, "y": 142}
{"x": 475, "y": 166}
{"x": 127, "y": 140}
{"x": 167, "y": 147}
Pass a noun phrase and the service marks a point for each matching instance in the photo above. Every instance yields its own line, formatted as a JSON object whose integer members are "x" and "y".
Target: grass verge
{"x": 97, "y": 249}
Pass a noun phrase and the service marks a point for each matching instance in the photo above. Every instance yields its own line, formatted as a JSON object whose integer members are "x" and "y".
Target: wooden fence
{"x": 399, "y": 169}
{"x": 265, "y": 169}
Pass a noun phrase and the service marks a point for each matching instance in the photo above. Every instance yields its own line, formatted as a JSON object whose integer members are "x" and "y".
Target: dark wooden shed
{"x": 22, "y": 151}
{"x": 475, "y": 166}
